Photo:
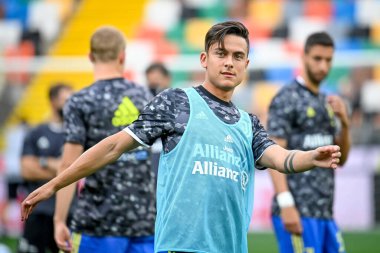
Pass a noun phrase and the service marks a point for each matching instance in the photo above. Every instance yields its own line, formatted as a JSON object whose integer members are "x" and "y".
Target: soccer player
{"x": 116, "y": 208}
{"x": 205, "y": 176}
{"x": 302, "y": 117}
{"x": 158, "y": 77}
{"x": 40, "y": 159}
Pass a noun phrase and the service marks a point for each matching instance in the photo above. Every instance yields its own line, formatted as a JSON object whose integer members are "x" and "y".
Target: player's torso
{"x": 120, "y": 198}
{"x": 313, "y": 125}
{"x": 205, "y": 184}
{"x": 49, "y": 141}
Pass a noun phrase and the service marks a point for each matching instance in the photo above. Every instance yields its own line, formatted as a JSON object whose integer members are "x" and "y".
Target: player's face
{"x": 317, "y": 62}
{"x": 226, "y": 67}
{"x": 60, "y": 100}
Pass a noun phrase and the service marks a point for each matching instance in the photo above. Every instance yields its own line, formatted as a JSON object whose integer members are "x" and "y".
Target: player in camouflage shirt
{"x": 302, "y": 117}
{"x": 205, "y": 180}
{"x": 116, "y": 208}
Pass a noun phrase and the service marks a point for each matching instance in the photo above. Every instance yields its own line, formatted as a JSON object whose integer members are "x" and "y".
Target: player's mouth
{"x": 227, "y": 74}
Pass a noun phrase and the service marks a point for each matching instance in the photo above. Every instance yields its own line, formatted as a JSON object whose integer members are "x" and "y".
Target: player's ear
{"x": 203, "y": 59}
{"x": 246, "y": 64}
{"x": 122, "y": 57}
{"x": 91, "y": 57}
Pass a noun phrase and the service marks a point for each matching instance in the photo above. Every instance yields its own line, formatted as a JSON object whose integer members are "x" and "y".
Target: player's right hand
{"x": 62, "y": 236}
{"x": 291, "y": 220}
{"x": 40, "y": 194}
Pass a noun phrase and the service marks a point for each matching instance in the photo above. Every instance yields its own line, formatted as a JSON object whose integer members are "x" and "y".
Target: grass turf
{"x": 356, "y": 242}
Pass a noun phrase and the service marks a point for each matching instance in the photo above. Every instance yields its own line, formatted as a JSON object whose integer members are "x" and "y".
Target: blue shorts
{"x": 93, "y": 244}
{"x": 319, "y": 236}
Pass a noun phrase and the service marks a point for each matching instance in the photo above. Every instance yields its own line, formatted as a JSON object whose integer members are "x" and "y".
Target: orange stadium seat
{"x": 266, "y": 13}
{"x": 322, "y": 9}
{"x": 375, "y": 33}
{"x": 149, "y": 33}
{"x": 26, "y": 50}
{"x": 376, "y": 73}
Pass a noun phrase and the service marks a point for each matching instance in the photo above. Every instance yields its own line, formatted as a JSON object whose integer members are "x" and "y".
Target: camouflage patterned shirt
{"x": 305, "y": 121}
{"x": 166, "y": 117}
{"x": 119, "y": 199}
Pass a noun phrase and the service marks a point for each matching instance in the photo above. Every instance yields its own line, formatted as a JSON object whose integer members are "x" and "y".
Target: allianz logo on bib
{"x": 213, "y": 169}
{"x": 212, "y": 160}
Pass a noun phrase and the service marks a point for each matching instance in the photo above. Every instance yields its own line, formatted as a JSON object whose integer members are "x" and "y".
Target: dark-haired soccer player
{"x": 205, "y": 176}
{"x": 302, "y": 117}
{"x": 158, "y": 77}
{"x": 40, "y": 160}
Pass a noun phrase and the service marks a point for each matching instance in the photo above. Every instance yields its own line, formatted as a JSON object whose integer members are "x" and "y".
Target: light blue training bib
{"x": 205, "y": 185}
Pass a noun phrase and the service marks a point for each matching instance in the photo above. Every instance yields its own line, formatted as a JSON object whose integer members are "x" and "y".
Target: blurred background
{"x": 46, "y": 41}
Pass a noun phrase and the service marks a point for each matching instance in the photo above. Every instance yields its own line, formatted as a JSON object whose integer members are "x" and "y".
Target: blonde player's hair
{"x": 106, "y": 44}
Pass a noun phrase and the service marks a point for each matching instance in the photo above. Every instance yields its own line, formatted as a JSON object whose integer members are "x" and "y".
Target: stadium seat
{"x": 155, "y": 14}
{"x": 257, "y": 31}
{"x": 10, "y": 33}
{"x": 370, "y": 97}
{"x": 265, "y": 13}
{"x": 195, "y": 30}
{"x": 301, "y": 27}
{"x": 375, "y": 33}
{"x": 344, "y": 11}
{"x": 264, "y": 92}
{"x": 280, "y": 74}
{"x": 322, "y": 9}
{"x": 292, "y": 9}
{"x": 48, "y": 23}
{"x": 217, "y": 11}
{"x": 25, "y": 50}
{"x": 65, "y": 8}
{"x": 376, "y": 73}
{"x": 367, "y": 12}
{"x": 148, "y": 32}
{"x": 16, "y": 10}
{"x": 201, "y": 4}
{"x": 165, "y": 48}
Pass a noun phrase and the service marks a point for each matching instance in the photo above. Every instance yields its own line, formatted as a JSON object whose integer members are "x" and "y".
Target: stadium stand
{"x": 55, "y": 46}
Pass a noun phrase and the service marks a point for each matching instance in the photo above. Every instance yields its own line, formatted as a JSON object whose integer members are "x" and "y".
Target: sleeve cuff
{"x": 128, "y": 131}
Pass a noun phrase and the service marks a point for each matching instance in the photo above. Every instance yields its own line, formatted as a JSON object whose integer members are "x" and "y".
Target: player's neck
{"x": 313, "y": 87}
{"x": 104, "y": 71}
{"x": 218, "y": 92}
{"x": 56, "y": 119}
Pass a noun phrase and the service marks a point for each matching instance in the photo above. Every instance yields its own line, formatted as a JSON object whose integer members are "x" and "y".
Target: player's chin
{"x": 228, "y": 85}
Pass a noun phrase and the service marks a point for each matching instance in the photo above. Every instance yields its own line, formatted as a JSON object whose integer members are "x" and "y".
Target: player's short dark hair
{"x": 159, "y": 67}
{"x": 218, "y": 32}
{"x": 56, "y": 88}
{"x": 318, "y": 38}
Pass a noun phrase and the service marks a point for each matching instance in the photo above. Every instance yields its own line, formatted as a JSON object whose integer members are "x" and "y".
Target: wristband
{"x": 285, "y": 199}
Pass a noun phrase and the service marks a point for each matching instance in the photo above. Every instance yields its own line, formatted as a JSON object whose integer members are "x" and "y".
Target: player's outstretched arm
{"x": 294, "y": 161}
{"x": 103, "y": 153}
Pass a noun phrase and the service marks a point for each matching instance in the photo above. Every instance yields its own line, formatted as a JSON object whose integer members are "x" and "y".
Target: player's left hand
{"x": 339, "y": 108}
{"x": 327, "y": 156}
{"x": 40, "y": 194}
